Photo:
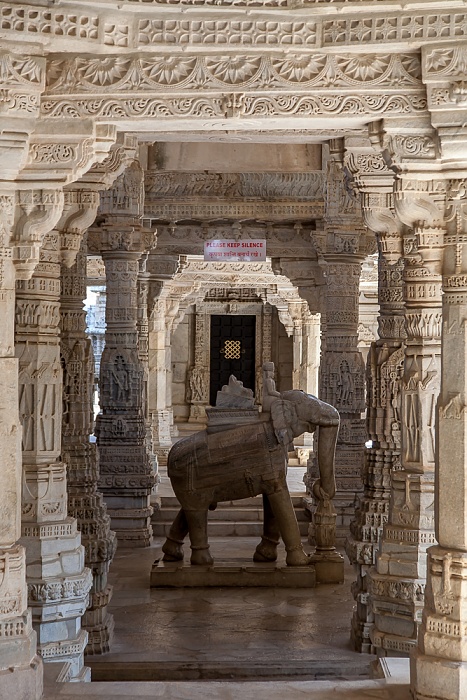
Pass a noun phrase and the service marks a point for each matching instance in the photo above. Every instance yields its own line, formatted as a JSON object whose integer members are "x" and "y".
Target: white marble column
{"x": 158, "y": 378}
{"x": 58, "y": 581}
{"x": 342, "y": 380}
{"x": 20, "y": 667}
{"x": 85, "y": 503}
{"x": 161, "y": 269}
{"x": 199, "y": 372}
{"x": 383, "y": 424}
{"x": 311, "y": 350}
{"x": 439, "y": 663}
{"x": 397, "y": 584}
{"x": 126, "y": 474}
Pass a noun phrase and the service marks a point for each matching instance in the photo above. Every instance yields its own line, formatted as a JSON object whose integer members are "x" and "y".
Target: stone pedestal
{"x": 231, "y": 575}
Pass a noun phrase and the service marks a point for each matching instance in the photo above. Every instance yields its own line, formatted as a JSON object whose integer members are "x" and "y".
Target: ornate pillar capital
{"x": 375, "y": 182}
{"x": 79, "y": 212}
{"x": 37, "y": 211}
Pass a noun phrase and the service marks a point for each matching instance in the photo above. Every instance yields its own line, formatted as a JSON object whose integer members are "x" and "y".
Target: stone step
{"x": 166, "y": 514}
{"x": 227, "y": 670}
{"x": 254, "y": 502}
{"x": 222, "y": 528}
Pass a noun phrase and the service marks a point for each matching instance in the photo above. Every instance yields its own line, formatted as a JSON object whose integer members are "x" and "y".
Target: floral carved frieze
{"x": 234, "y": 86}
{"x": 82, "y": 75}
{"x": 163, "y": 185}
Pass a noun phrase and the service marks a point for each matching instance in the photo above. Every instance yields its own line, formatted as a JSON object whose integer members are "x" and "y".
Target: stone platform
{"x": 231, "y": 574}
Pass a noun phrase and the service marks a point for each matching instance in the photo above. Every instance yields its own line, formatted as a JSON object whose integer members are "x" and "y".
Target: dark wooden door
{"x": 232, "y": 352}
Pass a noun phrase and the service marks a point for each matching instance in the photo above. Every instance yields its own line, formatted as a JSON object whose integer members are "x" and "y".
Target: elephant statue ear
{"x": 283, "y": 415}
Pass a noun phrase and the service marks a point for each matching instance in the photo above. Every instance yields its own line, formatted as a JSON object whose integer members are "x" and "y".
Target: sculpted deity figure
{"x": 196, "y": 384}
{"x": 346, "y": 384}
{"x": 269, "y": 387}
{"x": 120, "y": 380}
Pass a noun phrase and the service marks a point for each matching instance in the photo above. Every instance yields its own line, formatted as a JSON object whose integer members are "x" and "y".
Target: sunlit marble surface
{"x": 278, "y": 631}
{"x": 289, "y": 690}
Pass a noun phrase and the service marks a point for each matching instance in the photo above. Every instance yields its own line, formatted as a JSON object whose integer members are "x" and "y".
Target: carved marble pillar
{"x": 162, "y": 269}
{"x": 439, "y": 663}
{"x": 20, "y": 667}
{"x": 342, "y": 380}
{"x": 297, "y": 353}
{"x": 383, "y": 424}
{"x": 199, "y": 373}
{"x": 343, "y": 243}
{"x": 143, "y": 351}
{"x": 85, "y": 503}
{"x": 158, "y": 361}
{"x": 58, "y": 581}
{"x": 311, "y": 348}
{"x": 397, "y": 584}
{"x": 375, "y": 182}
{"x": 126, "y": 475}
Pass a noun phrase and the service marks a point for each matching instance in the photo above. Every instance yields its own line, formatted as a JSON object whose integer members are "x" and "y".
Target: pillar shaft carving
{"x": 85, "y": 503}
{"x": 375, "y": 182}
{"x": 58, "y": 581}
{"x": 199, "y": 373}
{"x": 343, "y": 244}
{"x": 397, "y": 584}
{"x": 441, "y": 635}
{"x": 161, "y": 311}
{"x": 126, "y": 475}
{"x": 18, "y": 641}
{"x": 21, "y": 83}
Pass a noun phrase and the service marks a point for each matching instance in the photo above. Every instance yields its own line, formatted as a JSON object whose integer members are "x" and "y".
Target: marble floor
{"x": 258, "y": 644}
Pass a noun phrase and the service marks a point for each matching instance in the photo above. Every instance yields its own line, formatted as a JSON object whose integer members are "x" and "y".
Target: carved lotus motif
{"x": 438, "y": 59}
{"x": 234, "y": 70}
{"x": 299, "y": 69}
{"x": 104, "y": 71}
{"x": 362, "y": 68}
{"x": 169, "y": 70}
{"x": 27, "y": 69}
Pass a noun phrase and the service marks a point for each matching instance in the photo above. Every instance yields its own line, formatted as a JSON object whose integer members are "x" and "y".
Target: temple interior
{"x": 269, "y": 190}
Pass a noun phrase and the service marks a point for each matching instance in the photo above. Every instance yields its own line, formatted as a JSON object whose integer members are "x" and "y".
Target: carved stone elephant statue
{"x": 245, "y": 460}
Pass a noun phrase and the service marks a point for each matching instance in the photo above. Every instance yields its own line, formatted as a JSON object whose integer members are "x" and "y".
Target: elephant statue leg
{"x": 173, "y": 545}
{"x": 267, "y": 548}
{"x": 282, "y": 508}
{"x": 198, "y": 529}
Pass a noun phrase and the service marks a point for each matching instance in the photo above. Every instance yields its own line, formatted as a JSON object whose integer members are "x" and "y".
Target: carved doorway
{"x": 232, "y": 351}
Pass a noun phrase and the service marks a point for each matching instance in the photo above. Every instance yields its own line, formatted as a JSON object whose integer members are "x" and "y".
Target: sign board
{"x": 230, "y": 250}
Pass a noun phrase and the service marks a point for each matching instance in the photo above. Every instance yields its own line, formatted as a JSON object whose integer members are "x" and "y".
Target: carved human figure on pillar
{"x": 346, "y": 388}
{"x": 120, "y": 380}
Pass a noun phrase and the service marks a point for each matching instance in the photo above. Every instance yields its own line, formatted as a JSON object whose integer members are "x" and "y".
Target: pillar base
{"x": 23, "y": 682}
{"x": 433, "y": 678}
{"x": 329, "y": 567}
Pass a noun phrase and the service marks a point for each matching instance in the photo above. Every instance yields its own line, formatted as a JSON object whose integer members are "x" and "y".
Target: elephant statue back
{"x": 205, "y": 460}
